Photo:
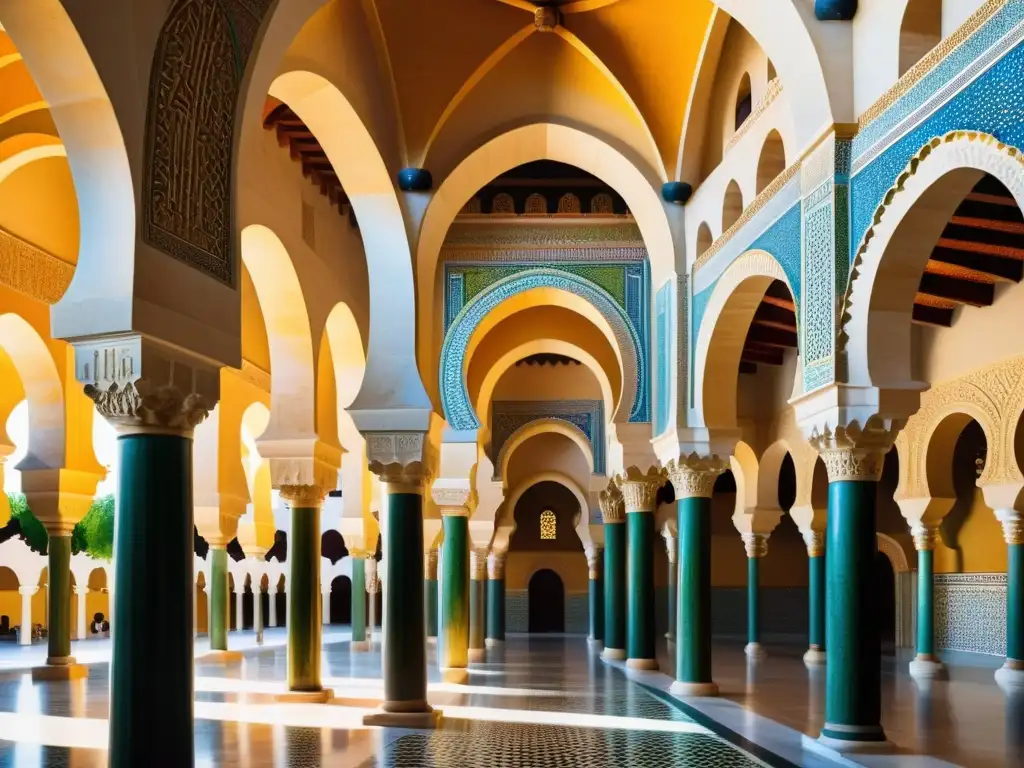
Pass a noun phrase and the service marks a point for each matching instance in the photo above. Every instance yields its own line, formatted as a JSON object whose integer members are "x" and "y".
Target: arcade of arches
{"x": 436, "y": 354}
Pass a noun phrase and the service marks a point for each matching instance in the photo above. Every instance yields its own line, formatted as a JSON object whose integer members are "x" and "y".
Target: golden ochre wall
{"x": 571, "y": 567}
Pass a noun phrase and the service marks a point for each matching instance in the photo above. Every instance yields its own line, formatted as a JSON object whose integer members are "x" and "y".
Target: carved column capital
{"x": 855, "y": 452}
{"x": 756, "y": 544}
{"x": 451, "y": 498}
{"x": 694, "y": 476}
{"x": 399, "y": 459}
{"x": 302, "y": 496}
{"x": 1013, "y": 525}
{"x": 478, "y": 564}
{"x": 613, "y": 507}
{"x": 640, "y": 489}
{"x": 595, "y": 561}
{"x": 815, "y": 541}
{"x": 496, "y": 566}
{"x": 924, "y": 537}
{"x": 430, "y": 565}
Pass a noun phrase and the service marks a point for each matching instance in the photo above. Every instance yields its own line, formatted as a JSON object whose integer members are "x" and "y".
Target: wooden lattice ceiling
{"x": 772, "y": 331}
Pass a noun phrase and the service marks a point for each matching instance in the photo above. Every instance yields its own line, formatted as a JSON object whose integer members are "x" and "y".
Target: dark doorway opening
{"x": 341, "y": 600}
{"x": 885, "y": 586}
{"x": 547, "y": 602}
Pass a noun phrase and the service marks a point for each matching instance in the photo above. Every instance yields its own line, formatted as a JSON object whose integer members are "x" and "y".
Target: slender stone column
{"x": 239, "y": 607}
{"x": 325, "y": 603}
{"x": 815, "y": 541}
{"x": 219, "y": 602}
{"x": 477, "y": 604}
{"x": 272, "y": 604}
{"x": 1010, "y": 676}
{"x": 613, "y": 512}
{"x": 453, "y": 640}
{"x": 853, "y": 699}
{"x": 372, "y": 588}
{"x": 59, "y": 626}
{"x": 405, "y": 630}
{"x": 25, "y": 634}
{"x": 304, "y": 630}
{"x": 83, "y": 623}
{"x": 595, "y": 573}
{"x": 359, "y": 641}
{"x": 430, "y": 592}
{"x": 257, "y": 612}
{"x": 672, "y": 551}
{"x": 693, "y": 479}
{"x": 756, "y": 545}
{"x": 926, "y": 665}
{"x": 640, "y": 493}
{"x": 495, "y": 600}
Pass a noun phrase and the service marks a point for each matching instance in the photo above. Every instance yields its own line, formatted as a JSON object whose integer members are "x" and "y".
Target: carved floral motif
{"x": 640, "y": 489}
{"x": 143, "y": 405}
{"x": 694, "y": 476}
{"x": 613, "y": 507}
{"x": 755, "y": 544}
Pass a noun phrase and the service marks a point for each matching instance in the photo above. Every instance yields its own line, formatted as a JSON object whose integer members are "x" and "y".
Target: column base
{"x": 681, "y": 688}
{"x": 220, "y": 657}
{"x": 594, "y": 644}
{"x": 305, "y": 697}
{"x": 493, "y": 642}
{"x": 928, "y": 668}
{"x": 63, "y": 670}
{"x": 642, "y": 664}
{"x": 425, "y": 717}
{"x": 458, "y": 675}
{"x": 477, "y": 654}
{"x": 361, "y": 645}
{"x": 1010, "y": 676}
{"x": 614, "y": 654}
{"x": 755, "y": 651}
{"x": 814, "y": 657}
{"x": 865, "y": 738}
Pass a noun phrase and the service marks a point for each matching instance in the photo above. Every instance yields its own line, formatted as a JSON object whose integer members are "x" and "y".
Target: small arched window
{"x": 744, "y": 101}
{"x": 536, "y": 204}
{"x": 548, "y": 525}
{"x": 503, "y": 205}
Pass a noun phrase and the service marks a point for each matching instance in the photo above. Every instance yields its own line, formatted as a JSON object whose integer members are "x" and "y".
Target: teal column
{"x": 639, "y": 495}
{"x": 693, "y": 621}
{"x": 477, "y": 604}
{"x": 926, "y": 665}
{"x": 595, "y": 565}
{"x": 59, "y": 629}
{"x": 495, "y": 600}
{"x": 219, "y": 599}
{"x": 1010, "y": 676}
{"x": 359, "y": 641}
{"x": 304, "y": 600}
{"x": 430, "y": 592}
{"x": 453, "y": 637}
{"x": 815, "y": 541}
{"x": 151, "y": 670}
{"x": 404, "y": 645}
{"x": 614, "y": 515}
{"x": 671, "y": 552}
{"x": 853, "y": 673}
{"x": 756, "y": 545}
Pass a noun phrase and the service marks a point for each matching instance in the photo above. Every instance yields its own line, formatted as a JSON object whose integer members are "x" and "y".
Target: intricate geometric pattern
{"x": 618, "y": 233}
{"x": 819, "y": 293}
{"x": 509, "y": 416}
{"x": 602, "y": 204}
{"x": 569, "y": 203}
{"x": 503, "y": 204}
{"x": 536, "y": 203}
{"x": 517, "y": 610}
{"x": 577, "y": 613}
{"x": 970, "y": 612}
{"x": 548, "y": 525}
{"x": 454, "y": 394}
{"x": 613, "y": 278}
{"x": 200, "y": 59}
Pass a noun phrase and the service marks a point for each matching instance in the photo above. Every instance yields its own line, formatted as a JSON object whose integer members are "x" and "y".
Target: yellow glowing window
{"x": 548, "y": 525}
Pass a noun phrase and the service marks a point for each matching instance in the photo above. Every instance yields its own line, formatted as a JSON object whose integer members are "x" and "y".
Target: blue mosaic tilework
{"x": 508, "y": 416}
{"x": 454, "y": 395}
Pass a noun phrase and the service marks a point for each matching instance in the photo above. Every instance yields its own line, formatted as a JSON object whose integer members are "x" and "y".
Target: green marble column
{"x": 671, "y": 552}
{"x": 1010, "y": 676}
{"x": 59, "y": 630}
{"x": 404, "y": 645}
{"x": 926, "y": 665}
{"x": 595, "y": 565}
{"x": 304, "y": 601}
{"x": 756, "y": 546}
{"x": 453, "y": 637}
{"x": 853, "y": 673}
{"x": 430, "y": 587}
{"x": 495, "y": 601}
{"x": 639, "y": 493}
{"x": 151, "y": 671}
{"x": 218, "y": 596}
{"x": 614, "y": 584}
{"x": 477, "y": 604}
{"x": 359, "y": 642}
{"x": 815, "y": 541}
{"x": 693, "y": 622}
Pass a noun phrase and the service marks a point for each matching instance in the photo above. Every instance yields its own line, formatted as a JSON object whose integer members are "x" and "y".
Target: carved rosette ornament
{"x": 815, "y": 541}
{"x": 924, "y": 538}
{"x": 302, "y": 496}
{"x": 756, "y": 544}
{"x": 478, "y": 564}
{"x": 853, "y": 452}
{"x": 694, "y": 476}
{"x": 640, "y": 489}
{"x": 142, "y": 406}
{"x": 613, "y": 507}
{"x": 496, "y": 566}
{"x": 399, "y": 459}
{"x": 546, "y": 18}
{"x": 430, "y": 565}
{"x": 595, "y": 563}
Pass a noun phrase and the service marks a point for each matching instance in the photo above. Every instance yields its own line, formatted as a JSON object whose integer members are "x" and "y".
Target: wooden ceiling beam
{"x": 772, "y": 314}
{"x": 973, "y": 234}
{"x": 942, "y": 318}
{"x": 765, "y": 357}
{"x": 999, "y": 267}
{"x": 747, "y": 367}
{"x": 960, "y": 291}
{"x": 775, "y": 337}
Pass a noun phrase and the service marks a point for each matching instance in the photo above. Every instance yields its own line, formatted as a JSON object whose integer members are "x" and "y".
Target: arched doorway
{"x": 546, "y": 602}
{"x": 885, "y": 589}
{"x": 341, "y": 600}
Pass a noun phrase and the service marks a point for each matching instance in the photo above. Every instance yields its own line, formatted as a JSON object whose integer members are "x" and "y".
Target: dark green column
{"x": 1010, "y": 676}
{"x": 614, "y": 586}
{"x": 815, "y": 540}
{"x": 430, "y": 587}
{"x": 304, "y": 601}
{"x": 151, "y": 670}
{"x": 453, "y": 637}
{"x": 640, "y": 652}
{"x": 59, "y": 630}
{"x": 477, "y": 605}
{"x": 595, "y": 564}
{"x": 404, "y": 645}
{"x": 926, "y": 665}
{"x": 218, "y": 596}
{"x": 756, "y": 545}
{"x": 495, "y": 601}
{"x": 671, "y": 551}
{"x": 693, "y": 621}
{"x": 853, "y": 673}
{"x": 359, "y": 642}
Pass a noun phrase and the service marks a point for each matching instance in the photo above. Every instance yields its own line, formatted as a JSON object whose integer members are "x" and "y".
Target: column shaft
{"x": 925, "y": 604}
{"x": 304, "y": 600}
{"x": 453, "y": 640}
{"x": 25, "y": 635}
{"x": 640, "y": 588}
{"x": 219, "y": 608}
{"x": 272, "y": 604}
{"x": 151, "y": 672}
{"x": 59, "y": 631}
{"x": 83, "y": 622}
{"x": 753, "y": 609}
{"x": 358, "y": 601}
{"x": 430, "y": 587}
{"x": 477, "y": 617}
{"x": 1014, "y": 608}
{"x": 596, "y": 585}
{"x": 693, "y": 622}
{"x": 816, "y": 598}
{"x": 615, "y": 590}
{"x": 673, "y": 594}
{"x": 496, "y": 610}
{"x": 853, "y": 672}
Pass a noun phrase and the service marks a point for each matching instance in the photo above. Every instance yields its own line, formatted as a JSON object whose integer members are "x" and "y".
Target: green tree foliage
{"x": 32, "y": 531}
{"x": 94, "y": 534}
